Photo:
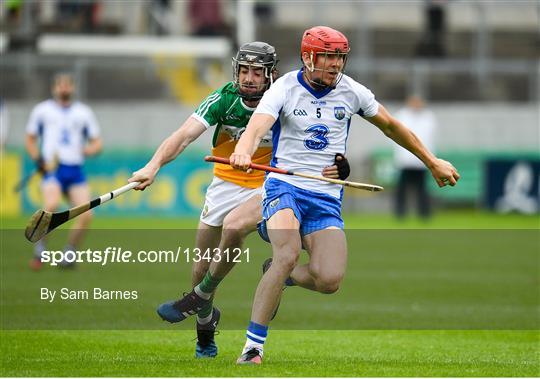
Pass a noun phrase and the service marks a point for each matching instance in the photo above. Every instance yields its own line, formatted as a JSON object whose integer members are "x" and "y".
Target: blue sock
{"x": 289, "y": 282}
{"x": 256, "y": 336}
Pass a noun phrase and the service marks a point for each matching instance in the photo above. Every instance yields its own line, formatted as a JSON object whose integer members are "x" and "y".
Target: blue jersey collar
{"x": 317, "y": 93}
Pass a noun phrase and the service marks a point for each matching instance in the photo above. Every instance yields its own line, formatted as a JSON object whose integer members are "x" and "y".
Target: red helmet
{"x": 322, "y": 39}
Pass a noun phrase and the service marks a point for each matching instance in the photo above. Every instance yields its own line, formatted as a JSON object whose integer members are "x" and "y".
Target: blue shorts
{"x": 314, "y": 210}
{"x": 66, "y": 176}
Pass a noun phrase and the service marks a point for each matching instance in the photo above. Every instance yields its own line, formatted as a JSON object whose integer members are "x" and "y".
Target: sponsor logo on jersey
{"x": 339, "y": 112}
{"x": 274, "y": 203}
{"x": 317, "y": 137}
{"x": 318, "y": 102}
{"x": 232, "y": 117}
{"x": 299, "y": 112}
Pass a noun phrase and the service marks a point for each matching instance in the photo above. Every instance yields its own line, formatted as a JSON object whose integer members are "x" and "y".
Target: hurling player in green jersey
{"x": 232, "y": 206}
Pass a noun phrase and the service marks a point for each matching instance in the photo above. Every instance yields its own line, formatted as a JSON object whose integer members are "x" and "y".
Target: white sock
{"x": 205, "y": 320}
{"x": 38, "y": 249}
{"x": 72, "y": 256}
{"x": 204, "y": 295}
{"x": 250, "y": 345}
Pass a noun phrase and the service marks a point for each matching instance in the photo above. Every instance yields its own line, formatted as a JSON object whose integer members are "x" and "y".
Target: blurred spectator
{"x": 264, "y": 11}
{"x": 79, "y": 15}
{"x": 432, "y": 43}
{"x": 13, "y": 8}
{"x": 412, "y": 172}
{"x": 206, "y": 18}
{"x": 159, "y": 14}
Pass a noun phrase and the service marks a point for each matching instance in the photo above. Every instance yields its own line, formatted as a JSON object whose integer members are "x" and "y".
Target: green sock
{"x": 209, "y": 284}
{"x": 205, "y": 311}
{"x": 206, "y": 290}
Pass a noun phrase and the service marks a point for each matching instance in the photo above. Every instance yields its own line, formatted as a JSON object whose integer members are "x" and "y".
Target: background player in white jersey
{"x": 411, "y": 172}
{"x": 59, "y": 135}
{"x": 232, "y": 206}
{"x": 309, "y": 112}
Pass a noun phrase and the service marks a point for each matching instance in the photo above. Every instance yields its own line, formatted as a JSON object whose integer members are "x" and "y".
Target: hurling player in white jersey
{"x": 309, "y": 112}
{"x": 59, "y": 135}
{"x": 233, "y": 200}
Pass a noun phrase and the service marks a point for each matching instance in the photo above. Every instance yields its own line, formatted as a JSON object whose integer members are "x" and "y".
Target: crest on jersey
{"x": 205, "y": 210}
{"x": 339, "y": 112}
{"x": 234, "y": 132}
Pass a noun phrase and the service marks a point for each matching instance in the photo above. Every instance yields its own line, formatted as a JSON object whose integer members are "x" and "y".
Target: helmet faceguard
{"x": 322, "y": 42}
{"x": 255, "y": 55}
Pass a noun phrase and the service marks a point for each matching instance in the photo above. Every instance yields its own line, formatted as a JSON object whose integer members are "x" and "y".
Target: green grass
{"x": 453, "y": 219}
{"x": 289, "y": 353}
{"x": 455, "y": 297}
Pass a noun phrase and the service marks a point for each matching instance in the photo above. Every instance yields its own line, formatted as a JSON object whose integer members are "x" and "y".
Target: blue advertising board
{"x": 178, "y": 190}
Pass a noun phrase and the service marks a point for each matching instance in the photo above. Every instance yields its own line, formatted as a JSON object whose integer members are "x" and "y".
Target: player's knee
{"x": 328, "y": 287}
{"x": 89, "y": 215}
{"x": 285, "y": 241}
{"x": 86, "y": 217}
{"x": 326, "y": 283}
{"x": 51, "y": 205}
{"x": 235, "y": 226}
{"x": 286, "y": 261}
{"x": 233, "y": 231}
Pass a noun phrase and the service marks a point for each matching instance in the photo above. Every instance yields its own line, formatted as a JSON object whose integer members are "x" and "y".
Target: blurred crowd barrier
{"x": 146, "y": 68}
{"x": 444, "y": 50}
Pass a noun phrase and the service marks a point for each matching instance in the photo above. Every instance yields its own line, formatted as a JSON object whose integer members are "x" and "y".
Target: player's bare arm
{"x": 258, "y": 126}
{"x": 93, "y": 147}
{"x": 443, "y": 172}
{"x": 168, "y": 151}
{"x": 31, "y": 145}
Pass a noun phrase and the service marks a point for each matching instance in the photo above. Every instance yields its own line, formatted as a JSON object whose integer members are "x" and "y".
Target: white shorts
{"x": 222, "y": 197}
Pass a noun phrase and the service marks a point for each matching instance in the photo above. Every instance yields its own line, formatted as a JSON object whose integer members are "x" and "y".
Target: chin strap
{"x": 317, "y": 85}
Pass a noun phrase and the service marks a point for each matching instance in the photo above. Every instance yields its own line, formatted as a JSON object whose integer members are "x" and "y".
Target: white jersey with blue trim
{"x": 63, "y": 130}
{"x": 312, "y": 126}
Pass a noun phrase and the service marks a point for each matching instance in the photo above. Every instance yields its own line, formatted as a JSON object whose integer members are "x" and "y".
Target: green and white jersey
{"x": 225, "y": 110}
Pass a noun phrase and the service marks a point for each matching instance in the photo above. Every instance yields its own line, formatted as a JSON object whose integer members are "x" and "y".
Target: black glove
{"x": 344, "y": 170}
{"x": 40, "y": 165}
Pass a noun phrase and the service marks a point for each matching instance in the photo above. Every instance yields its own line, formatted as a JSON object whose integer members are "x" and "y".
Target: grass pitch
{"x": 289, "y": 353}
{"x": 439, "y": 298}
